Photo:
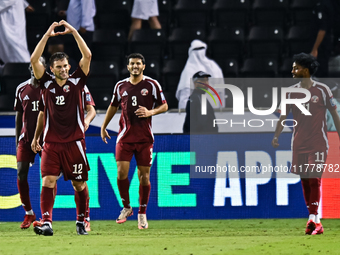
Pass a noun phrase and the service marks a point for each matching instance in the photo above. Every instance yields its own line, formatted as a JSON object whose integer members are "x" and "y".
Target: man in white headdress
{"x": 13, "y": 43}
{"x": 198, "y": 61}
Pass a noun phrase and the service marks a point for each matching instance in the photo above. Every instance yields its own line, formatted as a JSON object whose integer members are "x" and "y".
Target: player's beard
{"x": 136, "y": 74}
{"x": 64, "y": 77}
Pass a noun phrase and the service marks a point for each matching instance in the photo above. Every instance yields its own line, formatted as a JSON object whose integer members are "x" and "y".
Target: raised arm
{"x": 38, "y": 67}
{"x": 85, "y": 61}
{"x": 278, "y": 130}
{"x": 111, "y": 111}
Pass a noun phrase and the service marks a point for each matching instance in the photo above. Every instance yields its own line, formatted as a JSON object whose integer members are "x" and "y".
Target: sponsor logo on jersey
{"x": 144, "y": 92}
{"x": 332, "y": 101}
{"x": 78, "y": 177}
{"x": 314, "y": 99}
{"x": 124, "y": 94}
{"x": 66, "y": 88}
{"x": 52, "y": 90}
{"x": 88, "y": 98}
{"x": 26, "y": 98}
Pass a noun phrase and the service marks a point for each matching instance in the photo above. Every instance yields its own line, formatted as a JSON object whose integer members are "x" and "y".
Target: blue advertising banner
{"x": 176, "y": 191}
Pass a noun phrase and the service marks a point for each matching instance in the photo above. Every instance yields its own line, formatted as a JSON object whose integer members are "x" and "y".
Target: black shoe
{"x": 45, "y": 230}
{"x": 81, "y": 228}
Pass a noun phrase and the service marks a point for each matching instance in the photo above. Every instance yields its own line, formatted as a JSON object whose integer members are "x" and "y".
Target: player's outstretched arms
{"x": 85, "y": 61}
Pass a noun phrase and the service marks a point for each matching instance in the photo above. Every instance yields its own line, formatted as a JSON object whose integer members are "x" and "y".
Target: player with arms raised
{"x": 61, "y": 118}
{"x": 309, "y": 141}
{"x": 137, "y": 96}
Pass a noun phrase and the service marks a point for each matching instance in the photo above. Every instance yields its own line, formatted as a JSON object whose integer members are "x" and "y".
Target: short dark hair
{"x": 307, "y": 61}
{"x": 58, "y": 56}
{"x": 135, "y": 55}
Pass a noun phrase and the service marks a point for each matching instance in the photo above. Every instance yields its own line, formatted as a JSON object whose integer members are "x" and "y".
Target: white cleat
{"x": 142, "y": 221}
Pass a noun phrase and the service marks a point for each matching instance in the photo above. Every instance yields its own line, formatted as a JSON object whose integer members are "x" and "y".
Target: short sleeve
{"x": 330, "y": 101}
{"x": 159, "y": 96}
{"x": 88, "y": 97}
{"x": 115, "y": 101}
{"x": 46, "y": 77}
{"x": 17, "y": 101}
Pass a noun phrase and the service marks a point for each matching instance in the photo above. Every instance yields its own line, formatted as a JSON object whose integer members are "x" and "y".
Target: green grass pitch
{"x": 251, "y": 236}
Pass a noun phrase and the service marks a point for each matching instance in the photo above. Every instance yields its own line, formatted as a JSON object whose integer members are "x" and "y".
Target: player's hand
{"x": 87, "y": 124}
{"x": 50, "y": 32}
{"x": 142, "y": 112}
{"x": 35, "y": 146}
{"x": 275, "y": 142}
{"x": 68, "y": 28}
{"x": 104, "y": 134}
{"x": 314, "y": 53}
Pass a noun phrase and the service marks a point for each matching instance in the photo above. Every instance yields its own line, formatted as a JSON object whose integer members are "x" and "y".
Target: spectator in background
{"x": 194, "y": 121}
{"x": 80, "y": 15}
{"x": 330, "y": 123}
{"x": 197, "y": 61}
{"x": 321, "y": 27}
{"x": 144, "y": 10}
{"x": 13, "y": 42}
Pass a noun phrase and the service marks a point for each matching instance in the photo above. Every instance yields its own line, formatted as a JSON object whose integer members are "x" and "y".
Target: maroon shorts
{"x": 68, "y": 158}
{"x": 309, "y": 165}
{"x": 142, "y": 152}
{"x": 25, "y": 153}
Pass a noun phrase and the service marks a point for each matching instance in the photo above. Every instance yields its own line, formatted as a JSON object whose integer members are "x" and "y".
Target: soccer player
{"x": 137, "y": 96}
{"x": 26, "y": 105}
{"x": 310, "y": 144}
{"x": 61, "y": 117}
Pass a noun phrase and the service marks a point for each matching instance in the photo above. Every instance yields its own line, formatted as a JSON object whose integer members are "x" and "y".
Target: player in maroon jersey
{"x": 26, "y": 105}
{"x": 137, "y": 96}
{"x": 61, "y": 119}
{"x": 310, "y": 144}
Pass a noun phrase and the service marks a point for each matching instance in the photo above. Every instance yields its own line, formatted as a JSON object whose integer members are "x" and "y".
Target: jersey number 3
{"x": 134, "y": 100}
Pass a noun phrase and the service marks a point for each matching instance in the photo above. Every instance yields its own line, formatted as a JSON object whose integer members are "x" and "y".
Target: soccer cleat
{"x": 126, "y": 212}
{"x": 38, "y": 223}
{"x": 28, "y": 219}
{"x": 80, "y": 226}
{"x": 310, "y": 227}
{"x": 87, "y": 226}
{"x": 45, "y": 230}
{"x": 318, "y": 229}
{"x": 142, "y": 221}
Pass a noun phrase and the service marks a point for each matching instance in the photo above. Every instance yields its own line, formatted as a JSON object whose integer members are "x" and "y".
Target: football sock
{"x": 144, "y": 193}
{"x": 24, "y": 194}
{"x": 311, "y": 217}
{"x": 123, "y": 186}
{"x": 30, "y": 212}
{"x": 317, "y": 219}
{"x": 46, "y": 203}
{"x": 315, "y": 193}
{"x": 81, "y": 199}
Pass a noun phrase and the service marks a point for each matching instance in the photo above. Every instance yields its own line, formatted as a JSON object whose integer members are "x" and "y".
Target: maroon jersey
{"x": 88, "y": 99}
{"x": 27, "y": 102}
{"x": 310, "y": 133}
{"x": 63, "y": 108}
{"x": 146, "y": 93}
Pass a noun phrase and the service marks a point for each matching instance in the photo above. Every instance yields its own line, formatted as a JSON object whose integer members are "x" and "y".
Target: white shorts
{"x": 144, "y": 9}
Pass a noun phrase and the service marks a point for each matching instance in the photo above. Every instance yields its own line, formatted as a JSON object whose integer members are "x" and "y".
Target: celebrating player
{"x": 136, "y": 95}
{"x": 310, "y": 144}
{"x": 61, "y": 117}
